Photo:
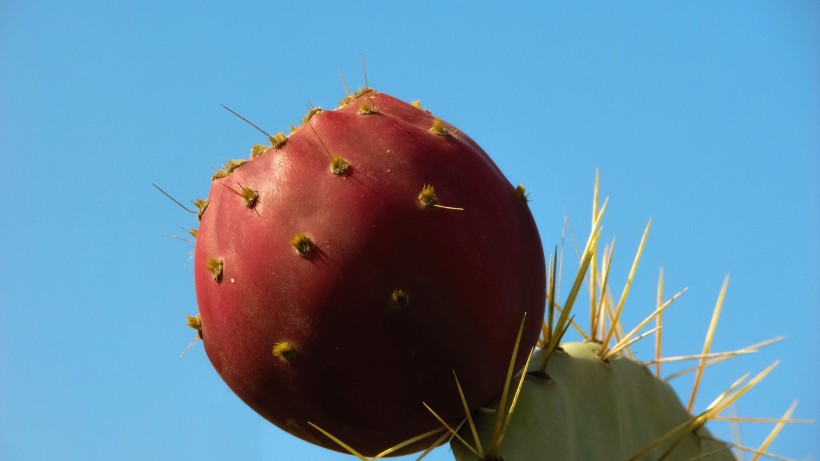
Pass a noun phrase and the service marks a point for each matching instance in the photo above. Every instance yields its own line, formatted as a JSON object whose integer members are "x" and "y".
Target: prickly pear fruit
{"x": 587, "y": 409}
{"x": 344, "y": 272}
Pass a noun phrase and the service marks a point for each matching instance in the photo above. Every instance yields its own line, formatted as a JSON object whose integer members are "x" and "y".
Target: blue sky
{"x": 703, "y": 115}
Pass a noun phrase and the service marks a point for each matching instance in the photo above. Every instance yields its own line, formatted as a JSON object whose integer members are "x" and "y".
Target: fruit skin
{"x": 391, "y": 297}
{"x": 593, "y": 410}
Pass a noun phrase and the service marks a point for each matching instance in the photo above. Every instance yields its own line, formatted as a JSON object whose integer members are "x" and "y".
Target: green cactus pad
{"x": 587, "y": 409}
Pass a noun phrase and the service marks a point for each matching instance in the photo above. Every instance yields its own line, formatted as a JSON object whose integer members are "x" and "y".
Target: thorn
{"x": 707, "y": 343}
{"x": 339, "y": 442}
{"x": 615, "y": 322}
{"x": 327, "y": 151}
{"x": 188, "y": 347}
{"x": 467, "y": 412}
{"x": 249, "y": 195}
{"x": 173, "y": 199}
{"x": 598, "y": 323}
{"x": 659, "y": 325}
{"x": 271, "y": 138}
{"x": 428, "y": 199}
{"x": 550, "y": 312}
{"x": 497, "y": 430}
{"x": 347, "y": 89}
{"x": 338, "y": 165}
{"x": 174, "y": 237}
{"x": 364, "y": 71}
{"x": 515, "y": 398}
{"x": 452, "y": 431}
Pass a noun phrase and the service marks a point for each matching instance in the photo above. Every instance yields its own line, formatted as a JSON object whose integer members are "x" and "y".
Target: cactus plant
{"x": 593, "y": 400}
{"x": 584, "y": 408}
{"x": 373, "y": 284}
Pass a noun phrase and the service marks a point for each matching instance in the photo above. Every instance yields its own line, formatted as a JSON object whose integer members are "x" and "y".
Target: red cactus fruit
{"x": 345, "y": 272}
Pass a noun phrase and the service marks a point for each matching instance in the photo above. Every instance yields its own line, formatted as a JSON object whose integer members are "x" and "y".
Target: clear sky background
{"x": 702, "y": 115}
